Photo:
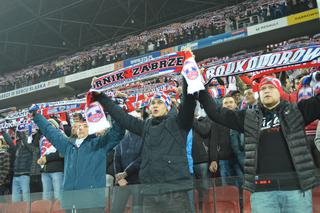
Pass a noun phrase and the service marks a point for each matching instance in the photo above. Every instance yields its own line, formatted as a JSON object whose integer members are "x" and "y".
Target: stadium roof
{"x": 33, "y": 31}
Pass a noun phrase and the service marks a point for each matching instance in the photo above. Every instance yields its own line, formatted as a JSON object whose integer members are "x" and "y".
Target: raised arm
{"x": 127, "y": 121}
{"x": 310, "y": 109}
{"x": 112, "y": 137}
{"x": 229, "y": 118}
{"x": 186, "y": 111}
{"x": 55, "y": 136}
{"x": 7, "y": 138}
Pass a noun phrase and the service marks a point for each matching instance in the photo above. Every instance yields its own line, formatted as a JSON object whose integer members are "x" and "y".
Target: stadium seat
{"x": 226, "y": 207}
{"x": 20, "y": 207}
{"x": 3, "y": 207}
{"x": 246, "y": 202}
{"x": 41, "y": 206}
{"x": 196, "y": 200}
{"x": 56, "y": 207}
{"x": 316, "y": 200}
{"x": 227, "y": 196}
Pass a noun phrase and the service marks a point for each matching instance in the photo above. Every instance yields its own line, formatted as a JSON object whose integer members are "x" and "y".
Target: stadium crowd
{"x": 267, "y": 137}
{"x": 62, "y": 156}
{"x": 228, "y": 19}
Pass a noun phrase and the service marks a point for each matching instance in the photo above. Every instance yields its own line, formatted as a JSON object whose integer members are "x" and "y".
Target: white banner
{"x": 267, "y": 26}
{"x": 29, "y": 89}
{"x": 89, "y": 73}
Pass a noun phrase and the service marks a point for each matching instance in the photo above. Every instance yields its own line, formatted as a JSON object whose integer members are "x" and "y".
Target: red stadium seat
{"x": 226, "y": 207}
{"x": 230, "y": 195}
{"x": 316, "y": 200}
{"x": 20, "y": 207}
{"x": 56, "y": 207}
{"x": 41, "y": 206}
{"x": 246, "y": 202}
{"x": 227, "y": 196}
{"x": 3, "y": 207}
{"x": 196, "y": 200}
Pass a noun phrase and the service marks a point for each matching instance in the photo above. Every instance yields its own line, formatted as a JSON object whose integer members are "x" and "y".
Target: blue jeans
{"x": 294, "y": 201}
{"x": 51, "y": 182}
{"x": 228, "y": 169}
{"x": 201, "y": 171}
{"x": 21, "y": 187}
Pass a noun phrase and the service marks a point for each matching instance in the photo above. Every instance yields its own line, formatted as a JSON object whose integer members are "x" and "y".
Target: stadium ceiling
{"x": 35, "y": 31}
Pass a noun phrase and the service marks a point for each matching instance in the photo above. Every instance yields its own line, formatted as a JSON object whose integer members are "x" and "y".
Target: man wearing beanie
{"x": 279, "y": 169}
{"x": 164, "y": 168}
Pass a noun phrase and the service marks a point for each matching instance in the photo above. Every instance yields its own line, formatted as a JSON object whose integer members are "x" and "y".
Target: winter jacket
{"x": 23, "y": 153}
{"x": 293, "y": 119}
{"x": 221, "y": 136}
{"x": 127, "y": 157}
{"x": 54, "y": 163}
{"x": 163, "y": 159}
{"x": 204, "y": 149}
{"x": 85, "y": 167}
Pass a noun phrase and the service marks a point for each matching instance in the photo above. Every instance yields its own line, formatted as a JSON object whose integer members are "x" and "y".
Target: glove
{"x": 93, "y": 95}
{"x": 33, "y": 109}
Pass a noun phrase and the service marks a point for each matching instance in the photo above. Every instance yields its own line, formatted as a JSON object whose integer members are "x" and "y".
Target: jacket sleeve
{"x": 202, "y": 127}
{"x": 229, "y": 118}
{"x": 310, "y": 109}
{"x": 127, "y": 121}
{"x": 186, "y": 112}
{"x": 117, "y": 160}
{"x": 112, "y": 137}
{"x": 213, "y": 152}
{"x": 317, "y": 138}
{"x": 8, "y": 139}
{"x": 133, "y": 166}
{"x": 55, "y": 136}
{"x": 53, "y": 157}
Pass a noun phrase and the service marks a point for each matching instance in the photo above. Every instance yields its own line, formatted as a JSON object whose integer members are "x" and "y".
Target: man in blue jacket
{"x": 85, "y": 162}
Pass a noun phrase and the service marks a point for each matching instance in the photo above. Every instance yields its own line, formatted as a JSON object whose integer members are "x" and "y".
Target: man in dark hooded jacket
{"x": 164, "y": 168}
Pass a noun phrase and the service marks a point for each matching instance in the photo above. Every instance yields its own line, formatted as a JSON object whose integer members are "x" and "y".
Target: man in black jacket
{"x": 22, "y": 166}
{"x": 127, "y": 162}
{"x": 164, "y": 167}
{"x": 279, "y": 168}
{"x": 204, "y": 155}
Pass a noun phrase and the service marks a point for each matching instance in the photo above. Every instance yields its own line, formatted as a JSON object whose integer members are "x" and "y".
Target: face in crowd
{"x": 249, "y": 96}
{"x": 158, "y": 108}
{"x": 81, "y": 129}
{"x": 229, "y": 103}
{"x": 237, "y": 97}
{"x": 77, "y": 118}
{"x": 269, "y": 96}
